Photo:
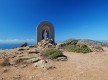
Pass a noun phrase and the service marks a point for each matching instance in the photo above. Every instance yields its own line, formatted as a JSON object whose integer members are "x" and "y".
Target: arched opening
{"x": 45, "y": 32}
{"x": 45, "y": 29}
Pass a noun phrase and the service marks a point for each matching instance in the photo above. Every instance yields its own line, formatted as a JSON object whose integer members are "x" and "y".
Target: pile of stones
{"x": 46, "y": 43}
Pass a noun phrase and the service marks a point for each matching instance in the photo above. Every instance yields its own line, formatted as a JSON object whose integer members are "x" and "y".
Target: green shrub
{"x": 78, "y": 49}
{"x": 5, "y": 63}
{"x": 24, "y": 44}
{"x": 52, "y": 53}
{"x": 84, "y": 46}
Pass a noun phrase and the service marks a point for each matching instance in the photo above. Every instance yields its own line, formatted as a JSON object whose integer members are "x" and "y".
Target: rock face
{"x": 22, "y": 55}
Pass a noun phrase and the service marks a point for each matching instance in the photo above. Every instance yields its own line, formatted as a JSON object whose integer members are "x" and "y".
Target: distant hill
{"x": 93, "y": 42}
{"x": 88, "y": 42}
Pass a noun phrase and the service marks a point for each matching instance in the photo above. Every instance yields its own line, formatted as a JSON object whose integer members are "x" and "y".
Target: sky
{"x": 79, "y": 19}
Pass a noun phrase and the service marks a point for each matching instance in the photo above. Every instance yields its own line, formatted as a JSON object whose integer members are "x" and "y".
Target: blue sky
{"x": 82, "y": 19}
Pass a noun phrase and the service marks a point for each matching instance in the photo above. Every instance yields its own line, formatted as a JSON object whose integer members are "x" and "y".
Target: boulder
{"x": 40, "y": 63}
{"x": 43, "y": 64}
{"x": 61, "y": 59}
{"x": 33, "y": 51}
{"x": 32, "y": 60}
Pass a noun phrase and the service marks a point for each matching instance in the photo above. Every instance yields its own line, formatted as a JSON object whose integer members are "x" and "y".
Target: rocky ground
{"x": 90, "y": 66}
{"x": 27, "y": 63}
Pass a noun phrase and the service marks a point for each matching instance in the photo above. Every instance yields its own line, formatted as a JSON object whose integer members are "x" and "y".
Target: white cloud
{"x": 17, "y": 40}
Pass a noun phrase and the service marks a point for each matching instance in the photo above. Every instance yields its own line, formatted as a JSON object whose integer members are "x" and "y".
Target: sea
{"x": 12, "y": 45}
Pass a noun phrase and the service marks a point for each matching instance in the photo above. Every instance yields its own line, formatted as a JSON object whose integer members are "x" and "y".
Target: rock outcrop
{"x": 30, "y": 55}
{"x": 46, "y": 43}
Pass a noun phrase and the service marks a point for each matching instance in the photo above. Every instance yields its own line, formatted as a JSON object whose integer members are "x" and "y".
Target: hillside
{"x": 88, "y": 42}
{"x": 27, "y": 63}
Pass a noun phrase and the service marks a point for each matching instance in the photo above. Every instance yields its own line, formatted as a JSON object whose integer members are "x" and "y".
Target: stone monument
{"x": 45, "y": 30}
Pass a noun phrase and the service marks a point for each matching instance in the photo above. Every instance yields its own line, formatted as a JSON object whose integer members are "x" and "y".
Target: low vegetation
{"x": 82, "y": 45}
{"x": 52, "y": 53}
{"x": 24, "y": 44}
{"x": 5, "y": 62}
{"x": 77, "y": 48}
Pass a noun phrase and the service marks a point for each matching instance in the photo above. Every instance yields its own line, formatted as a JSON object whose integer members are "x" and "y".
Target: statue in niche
{"x": 42, "y": 26}
{"x": 45, "y": 32}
